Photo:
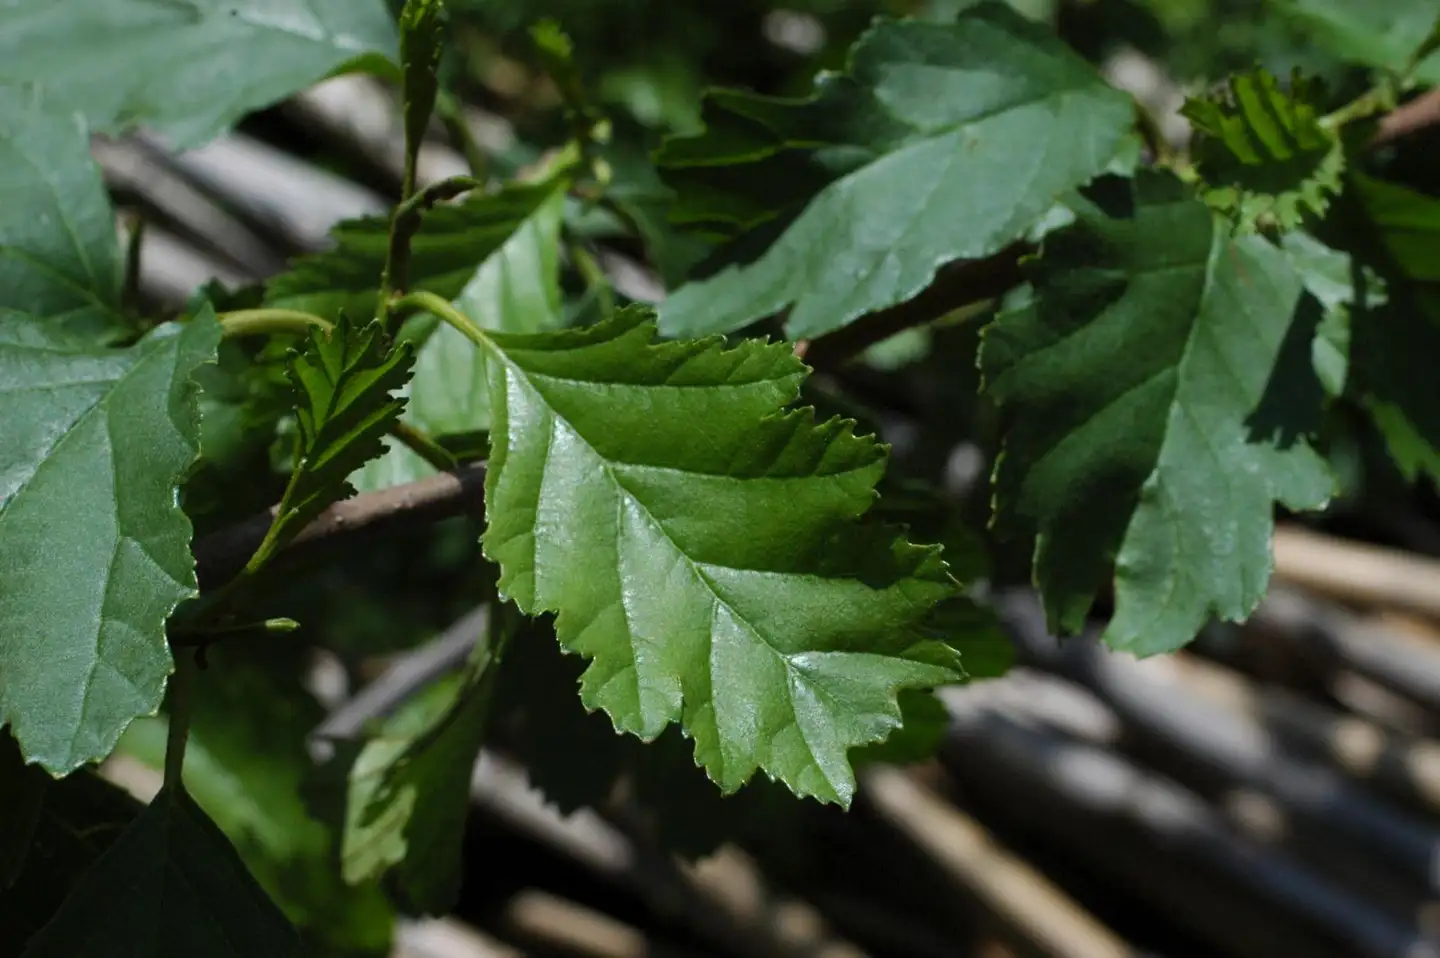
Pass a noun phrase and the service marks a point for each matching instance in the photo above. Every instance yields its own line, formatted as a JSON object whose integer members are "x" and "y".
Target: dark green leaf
{"x": 958, "y": 137}
{"x": 1169, "y": 462}
{"x": 93, "y": 447}
{"x": 1261, "y": 151}
{"x": 516, "y": 289}
{"x": 59, "y": 260}
{"x": 451, "y": 240}
{"x": 186, "y": 67}
{"x": 770, "y": 623}
{"x": 1379, "y": 33}
{"x": 170, "y": 887}
{"x": 345, "y": 381}
{"x": 246, "y": 765}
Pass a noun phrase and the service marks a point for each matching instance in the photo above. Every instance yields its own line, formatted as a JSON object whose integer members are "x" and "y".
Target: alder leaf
{"x": 1160, "y": 398}
{"x": 451, "y": 240}
{"x": 246, "y": 765}
{"x": 188, "y": 68}
{"x": 958, "y": 138}
{"x": 406, "y": 789}
{"x": 1262, "y": 153}
{"x": 345, "y": 383}
{"x": 516, "y": 289}
{"x": 94, "y": 445}
{"x": 171, "y": 885}
{"x": 702, "y": 547}
{"x": 59, "y": 259}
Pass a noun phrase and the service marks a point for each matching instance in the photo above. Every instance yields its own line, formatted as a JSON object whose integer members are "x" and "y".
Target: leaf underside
{"x": 1169, "y": 463}
{"x": 701, "y": 546}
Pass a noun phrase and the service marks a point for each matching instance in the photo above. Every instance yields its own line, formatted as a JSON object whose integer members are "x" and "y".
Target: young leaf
{"x": 245, "y": 766}
{"x": 422, "y": 31}
{"x": 1159, "y": 395}
{"x": 945, "y": 167}
{"x": 187, "y": 69}
{"x": 93, "y": 447}
{"x": 407, "y": 789}
{"x": 170, "y": 885}
{"x": 770, "y": 623}
{"x": 1262, "y": 153}
{"x": 345, "y": 382}
{"x": 451, "y": 240}
{"x": 516, "y": 290}
{"x": 59, "y": 259}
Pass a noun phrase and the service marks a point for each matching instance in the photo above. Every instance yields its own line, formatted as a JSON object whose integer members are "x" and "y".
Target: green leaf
{"x": 80, "y": 817}
{"x": 771, "y": 624}
{"x": 188, "y": 68}
{"x": 1262, "y": 152}
{"x": 345, "y": 383}
{"x": 1379, "y": 33}
{"x": 246, "y": 765}
{"x": 22, "y": 791}
{"x": 422, "y": 33}
{"x": 94, "y": 445}
{"x": 1408, "y": 222}
{"x": 407, "y": 794}
{"x": 1159, "y": 396}
{"x": 451, "y": 240}
{"x": 170, "y": 887}
{"x": 59, "y": 259}
{"x": 959, "y": 137}
{"x": 516, "y": 289}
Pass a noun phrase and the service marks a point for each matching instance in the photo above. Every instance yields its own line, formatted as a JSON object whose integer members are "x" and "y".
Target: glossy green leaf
{"x": 171, "y": 886}
{"x": 59, "y": 260}
{"x": 94, "y": 444}
{"x": 246, "y": 765}
{"x": 1262, "y": 153}
{"x": 346, "y": 383}
{"x": 1169, "y": 463}
{"x": 1379, "y": 33}
{"x": 702, "y": 547}
{"x": 188, "y": 68}
{"x": 451, "y": 241}
{"x": 959, "y": 138}
{"x": 516, "y": 289}
{"x": 407, "y": 793}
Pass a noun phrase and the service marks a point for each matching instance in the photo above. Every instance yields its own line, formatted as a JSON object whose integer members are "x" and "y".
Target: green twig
{"x": 404, "y": 224}
{"x": 424, "y": 302}
{"x": 269, "y": 322}
{"x": 424, "y": 445}
{"x": 181, "y": 708}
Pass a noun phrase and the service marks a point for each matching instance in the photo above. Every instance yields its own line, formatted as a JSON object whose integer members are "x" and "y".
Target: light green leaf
{"x": 701, "y": 546}
{"x": 246, "y": 765}
{"x": 1262, "y": 153}
{"x": 958, "y": 137}
{"x": 1378, "y": 33}
{"x": 452, "y": 239}
{"x": 345, "y": 383}
{"x": 59, "y": 260}
{"x": 407, "y": 793}
{"x": 171, "y": 885}
{"x": 188, "y": 68}
{"x": 515, "y": 290}
{"x": 1159, "y": 396}
{"x": 93, "y": 447}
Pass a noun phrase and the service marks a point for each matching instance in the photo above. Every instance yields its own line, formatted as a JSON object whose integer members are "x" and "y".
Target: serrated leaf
{"x": 960, "y": 138}
{"x": 22, "y": 791}
{"x": 515, "y": 289}
{"x": 1379, "y": 33}
{"x": 345, "y": 382}
{"x": 1159, "y": 397}
{"x": 406, "y": 789}
{"x": 701, "y": 547}
{"x": 245, "y": 765}
{"x": 59, "y": 259}
{"x": 170, "y": 886}
{"x": 452, "y": 239}
{"x": 94, "y": 445}
{"x": 1262, "y": 153}
{"x": 80, "y": 817}
{"x": 188, "y": 68}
